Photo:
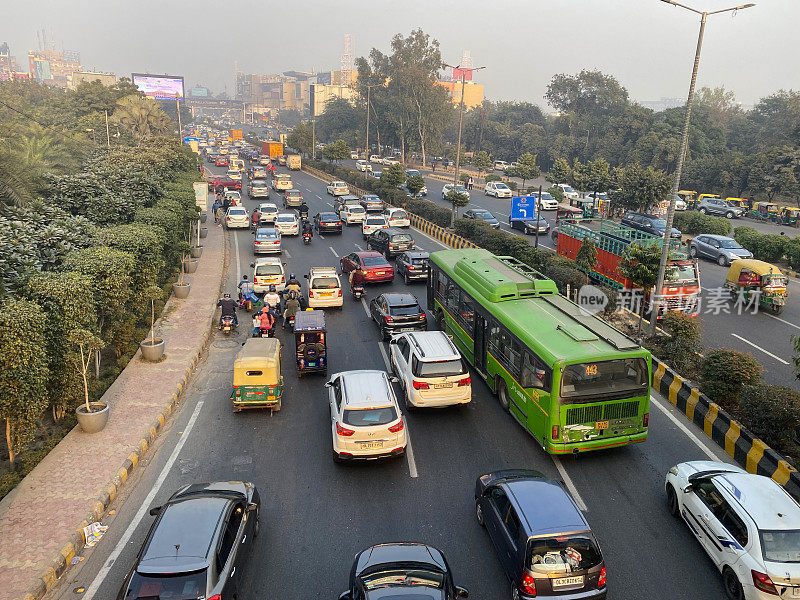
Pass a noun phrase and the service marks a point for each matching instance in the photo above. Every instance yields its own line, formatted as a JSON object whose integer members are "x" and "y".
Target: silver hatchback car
{"x": 722, "y": 249}
{"x": 718, "y": 206}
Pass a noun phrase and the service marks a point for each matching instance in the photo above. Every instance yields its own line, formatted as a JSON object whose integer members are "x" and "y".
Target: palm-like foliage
{"x": 15, "y": 184}
{"x": 40, "y": 151}
{"x": 143, "y": 117}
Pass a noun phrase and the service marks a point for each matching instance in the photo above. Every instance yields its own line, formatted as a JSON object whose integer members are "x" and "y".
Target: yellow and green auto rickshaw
{"x": 789, "y": 215}
{"x": 740, "y": 202}
{"x": 689, "y": 197}
{"x": 749, "y": 277}
{"x": 257, "y": 379}
{"x": 764, "y": 211}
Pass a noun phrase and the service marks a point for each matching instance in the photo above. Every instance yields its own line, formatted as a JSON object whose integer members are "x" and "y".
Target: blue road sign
{"x": 523, "y": 208}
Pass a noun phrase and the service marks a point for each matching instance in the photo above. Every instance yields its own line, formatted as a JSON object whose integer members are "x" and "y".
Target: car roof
{"x": 269, "y": 260}
{"x": 434, "y": 345}
{"x": 286, "y": 214}
{"x": 768, "y": 504}
{"x": 327, "y": 271}
{"x": 183, "y": 538}
{"x": 392, "y": 209}
{"x": 329, "y": 213}
{"x": 369, "y": 254}
{"x": 714, "y": 236}
{"x": 269, "y": 204}
{"x": 381, "y": 217}
{"x": 365, "y": 388}
{"x": 309, "y": 320}
{"x": 544, "y": 506}
{"x": 399, "y": 298}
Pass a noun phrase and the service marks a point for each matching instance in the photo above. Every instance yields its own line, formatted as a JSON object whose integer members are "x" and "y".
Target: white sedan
{"x": 498, "y": 189}
{"x": 372, "y": 224}
{"x": 748, "y": 524}
{"x": 234, "y": 174}
{"x": 337, "y": 188}
{"x": 287, "y": 224}
{"x": 459, "y": 188}
{"x": 236, "y": 218}
{"x": 396, "y": 217}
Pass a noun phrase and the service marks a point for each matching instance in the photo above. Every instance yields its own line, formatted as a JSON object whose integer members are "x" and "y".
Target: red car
{"x": 218, "y": 183}
{"x": 375, "y": 266}
{"x": 222, "y": 161}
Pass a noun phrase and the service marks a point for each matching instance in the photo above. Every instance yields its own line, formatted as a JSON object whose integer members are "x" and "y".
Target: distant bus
{"x": 573, "y": 381}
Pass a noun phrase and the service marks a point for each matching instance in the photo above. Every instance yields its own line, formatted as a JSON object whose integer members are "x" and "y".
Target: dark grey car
{"x": 530, "y": 226}
{"x": 720, "y": 248}
{"x": 480, "y": 214}
{"x": 649, "y": 223}
{"x": 402, "y": 571}
{"x": 542, "y": 539}
{"x": 412, "y": 265}
{"x": 390, "y": 242}
{"x": 718, "y": 206}
{"x": 198, "y": 545}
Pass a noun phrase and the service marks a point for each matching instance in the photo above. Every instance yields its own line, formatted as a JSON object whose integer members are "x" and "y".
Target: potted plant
{"x": 181, "y": 288}
{"x": 203, "y": 216}
{"x": 92, "y": 416}
{"x": 197, "y": 250}
{"x": 153, "y": 348}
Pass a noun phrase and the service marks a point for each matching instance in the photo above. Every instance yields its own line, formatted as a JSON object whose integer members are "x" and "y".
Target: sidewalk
{"x": 41, "y": 521}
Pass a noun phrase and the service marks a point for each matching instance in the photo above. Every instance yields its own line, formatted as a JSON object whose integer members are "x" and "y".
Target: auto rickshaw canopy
{"x": 258, "y": 363}
{"x": 687, "y": 194}
{"x": 740, "y": 202}
{"x": 790, "y": 211}
{"x": 759, "y": 267}
{"x": 767, "y": 207}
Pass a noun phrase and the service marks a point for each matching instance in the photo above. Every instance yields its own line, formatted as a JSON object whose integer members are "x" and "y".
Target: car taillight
{"x": 215, "y": 597}
{"x": 422, "y": 316}
{"x": 255, "y": 279}
{"x": 527, "y": 586}
{"x": 464, "y": 381}
{"x": 338, "y": 222}
{"x": 646, "y": 419}
{"x": 601, "y": 581}
{"x": 340, "y": 292}
{"x": 343, "y": 431}
{"x": 764, "y": 583}
{"x": 397, "y": 427}
{"x": 389, "y": 319}
{"x": 310, "y": 293}
{"x": 412, "y": 268}
{"x": 419, "y": 385}
{"x": 555, "y": 432}
{"x": 283, "y": 279}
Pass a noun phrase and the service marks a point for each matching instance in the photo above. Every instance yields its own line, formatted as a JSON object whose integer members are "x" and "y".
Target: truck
{"x": 294, "y": 162}
{"x": 235, "y": 135}
{"x": 272, "y": 149}
{"x": 682, "y": 286}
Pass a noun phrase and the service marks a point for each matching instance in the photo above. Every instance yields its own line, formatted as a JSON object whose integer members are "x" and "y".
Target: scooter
{"x": 264, "y": 332}
{"x": 357, "y": 291}
{"x": 306, "y": 238}
{"x": 227, "y": 325}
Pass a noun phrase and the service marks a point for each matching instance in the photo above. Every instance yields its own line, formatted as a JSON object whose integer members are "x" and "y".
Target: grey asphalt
{"x": 316, "y": 515}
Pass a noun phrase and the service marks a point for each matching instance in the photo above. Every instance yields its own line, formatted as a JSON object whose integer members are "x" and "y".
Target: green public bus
{"x": 573, "y": 381}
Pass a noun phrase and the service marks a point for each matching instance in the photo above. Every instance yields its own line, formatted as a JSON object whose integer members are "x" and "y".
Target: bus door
{"x": 479, "y": 346}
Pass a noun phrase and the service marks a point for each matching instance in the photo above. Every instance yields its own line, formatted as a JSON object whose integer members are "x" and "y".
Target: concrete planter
{"x": 152, "y": 352}
{"x": 197, "y": 251}
{"x": 203, "y": 232}
{"x": 92, "y": 422}
{"x": 203, "y": 217}
{"x": 190, "y": 265}
{"x": 181, "y": 290}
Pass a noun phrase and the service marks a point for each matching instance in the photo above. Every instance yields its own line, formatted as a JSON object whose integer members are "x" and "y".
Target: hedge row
{"x": 769, "y": 247}
{"x": 693, "y": 223}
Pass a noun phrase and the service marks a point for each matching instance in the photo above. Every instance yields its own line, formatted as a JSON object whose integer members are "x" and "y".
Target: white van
{"x": 324, "y": 288}
{"x": 267, "y": 272}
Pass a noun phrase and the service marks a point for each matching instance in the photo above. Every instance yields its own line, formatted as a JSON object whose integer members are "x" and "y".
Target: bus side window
{"x": 534, "y": 373}
{"x": 515, "y": 358}
{"x": 441, "y": 285}
{"x": 466, "y": 311}
{"x": 494, "y": 339}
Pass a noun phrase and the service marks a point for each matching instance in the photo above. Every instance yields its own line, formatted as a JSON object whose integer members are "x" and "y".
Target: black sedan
{"x": 479, "y": 214}
{"x": 396, "y": 313}
{"x": 327, "y": 222}
{"x": 412, "y": 265}
{"x": 530, "y": 226}
{"x": 402, "y": 570}
{"x": 201, "y": 537}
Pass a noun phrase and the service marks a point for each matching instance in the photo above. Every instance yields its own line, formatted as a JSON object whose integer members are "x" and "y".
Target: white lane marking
{"x": 238, "y": 264}
{"x": 412, "y": 464}
{"x": 322, "y": 237}
{"x": 780, "y": 360}
{"x": 318, "y": 196}
{"x": 568, "y": 482}
{"x": 145, "y": 507}
{"x": 784, "y": 321}
{"x": 366, "y": 308}
{"x": 686, "y": 430}
{"x": 286, "y": 252}
{"x": 359, "y": 247}
{"x": 334, "y": 251}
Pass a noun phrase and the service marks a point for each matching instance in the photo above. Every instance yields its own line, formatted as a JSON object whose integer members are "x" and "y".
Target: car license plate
{"x": 404, "y": 329}
{"x": 380, "y": 272}
{"x": 326, "y": 294}
{"x": 567, "y": 582}
{"x": 440, "y": 386}
{"x": 601, "y": 425}
{"x": 367, "y": 445}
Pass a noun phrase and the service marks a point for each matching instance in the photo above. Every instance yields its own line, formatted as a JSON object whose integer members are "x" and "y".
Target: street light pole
{"x": 676, "y": 182}
{"x": 366, "y": 143}
{"x": 314, "y": 137}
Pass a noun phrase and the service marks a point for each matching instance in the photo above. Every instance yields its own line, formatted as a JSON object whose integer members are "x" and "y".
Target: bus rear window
{"x": 605, "y": 378}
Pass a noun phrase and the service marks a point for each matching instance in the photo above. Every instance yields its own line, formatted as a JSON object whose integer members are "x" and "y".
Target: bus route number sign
{"x": 591, "y": 369}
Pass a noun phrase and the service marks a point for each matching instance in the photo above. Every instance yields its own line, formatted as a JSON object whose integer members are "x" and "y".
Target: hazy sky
{"x": 647, "y": 44}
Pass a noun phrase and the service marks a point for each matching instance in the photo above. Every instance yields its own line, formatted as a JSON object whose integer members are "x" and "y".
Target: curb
{"x": 61, "y": 562}
{"x": 740, "y": 444}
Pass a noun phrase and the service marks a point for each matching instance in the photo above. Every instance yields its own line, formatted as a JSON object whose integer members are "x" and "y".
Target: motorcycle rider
{"x": 272, "y": 299}
{"x": 307, "y": 229}
{"x": 303, "y": 211}
{"x": 228, "y": 309}
{"x": 356, "y": 279}
{"x": 246, "y": 289}
{"x": 266, "y": 320}
{"x": 293, "y": 285}
{"x": 292, "y": 306}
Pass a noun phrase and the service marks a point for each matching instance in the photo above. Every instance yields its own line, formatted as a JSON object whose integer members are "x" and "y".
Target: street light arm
{"x": 694, "y": 10}
{"x": 734, "y": 8}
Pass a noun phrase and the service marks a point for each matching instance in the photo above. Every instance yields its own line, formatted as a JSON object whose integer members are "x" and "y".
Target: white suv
{"x": 324, "y": 288}
{"x": 748, "y": 524}
{"x": 350, "y": 214}
{"x": 498, "y": 189}
{"x": 267, "y": 272}
{"x": 366, "y": 421}
{"x": 430, "y": 369}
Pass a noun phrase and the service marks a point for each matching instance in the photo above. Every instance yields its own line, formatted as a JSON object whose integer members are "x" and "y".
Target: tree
{"x": 88, "y": 345}
{"x": 141, "y": 117}
{"x": 588, "y": 92}
{"x": 586, "y": 258}
{"x": 525, "y": 168}
{"x": 414, "y": 184}
{"x": 337, "y": 151}
{"x": 639, "y": 264}
{"x": 639, "y": 187}
{"x": 482, "y": 162}
{"x": 560, "y": 172}
{"x": 301, "y": 138}
{"x": 392, "y": 176}
{"x": 23, "y": 372}
{"x": 456, "y": 199}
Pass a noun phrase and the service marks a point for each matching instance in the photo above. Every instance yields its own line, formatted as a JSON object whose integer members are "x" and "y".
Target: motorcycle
{"x": 291, "y": 323}
{"x": 264, "y": 332}
{"x": 357, "y": 291}
{"x": 306, "y": 238}
{"x": 227, "y": 325}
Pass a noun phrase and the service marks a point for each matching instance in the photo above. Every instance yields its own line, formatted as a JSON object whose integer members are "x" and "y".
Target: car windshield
{"x": 568, "y": 189}
{"x": 547, "y": 196}
{"x": 167, "y": 587}
{"x": 269, "y": 269}
{"x": 461, "y": 188}
{"x": 373, "y": 261}
{"x": 659, "y": 223}
{"x": 420, "y": 262}
{"x": 501, "y": 186}
{"x": 400, "y": 310}
{"x": 261, "y": 236}
{"x": 398, "y": 214}
{"x": 483, "y": 214}
{"x": 368, "y": 417}
{"x": 412, "y": 173}
{"x": 401, "y": 238}
{"x": 403, "y": 578}
{"x": 682, "y": 272}
{"x": 372, "y": 199}
{"x": 376, "y": 222}
{"x": 325, "y": 283}
{"x": 328, "y": 217}
{"x": 563, "y": 554}
{"x": 780, "y": 545}
{"x": 356, "y": 209}
{"x": 593, "y": 381}
{"x": 729, "y": 244}
{"x": 266, "y": 209}
{"x": 258, "y": 183}
{"x": 439, "y": 368}
{"x": 293, "y": 194}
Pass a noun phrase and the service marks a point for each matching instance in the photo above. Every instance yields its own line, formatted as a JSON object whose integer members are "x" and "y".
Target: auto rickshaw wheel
{"x": 777, "y": 308}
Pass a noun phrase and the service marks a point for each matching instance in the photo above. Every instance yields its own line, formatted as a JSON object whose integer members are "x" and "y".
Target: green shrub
{"x": 495, "y": 241}
{"x": 492, "y": 177}
{"x": 772, "y": 412}
{"x": 680, "y": 350}
{"x": 724, "y": 373}
{"x": 693, "y": 223}
{"x": 512, "y": 185}
{"x": 556, "y": 192}
{"x": 793, "y": 253}
{"x": 427, "y": 210}
{"x": 770, "y": 247}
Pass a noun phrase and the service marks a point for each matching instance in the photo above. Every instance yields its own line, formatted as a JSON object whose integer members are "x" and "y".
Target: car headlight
{"x": 673, "y": 470}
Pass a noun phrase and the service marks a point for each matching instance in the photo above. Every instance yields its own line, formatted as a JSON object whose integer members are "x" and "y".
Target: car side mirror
{"x": 392, "y": 341}
{"x": 687, "y": 489}
{"x": 328, "y": 384}
{"x": 346, "y": 596}
{"x": 154, "y": 511}
{"x": 462, "y": 592}
{"x": 306, "y": 276}
{"x": 252, "y": 506}
{"x": 394, "y": 379}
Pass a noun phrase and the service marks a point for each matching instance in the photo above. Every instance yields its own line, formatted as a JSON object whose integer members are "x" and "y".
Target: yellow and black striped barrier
{"x": 739, "y": 443}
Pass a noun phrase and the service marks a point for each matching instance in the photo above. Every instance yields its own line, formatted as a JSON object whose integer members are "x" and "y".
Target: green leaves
{"x": 393, "y": 175}
{"x": 414, "y": 184}
{"x": 337, "y": 151}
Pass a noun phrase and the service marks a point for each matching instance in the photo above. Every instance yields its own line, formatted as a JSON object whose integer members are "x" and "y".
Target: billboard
{"x": 159, "y": 87}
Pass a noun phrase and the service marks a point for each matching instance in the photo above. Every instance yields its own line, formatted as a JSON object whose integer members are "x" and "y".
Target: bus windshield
{"x": 622, "y": 377}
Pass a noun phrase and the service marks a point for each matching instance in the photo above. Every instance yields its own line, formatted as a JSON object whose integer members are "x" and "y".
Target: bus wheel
{"x": 502, "y": 395}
